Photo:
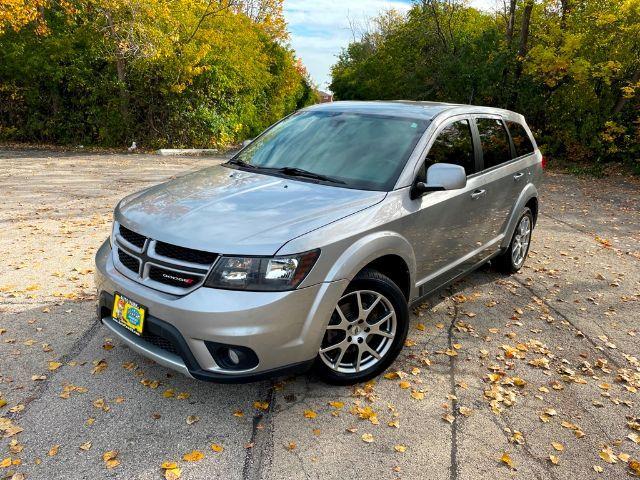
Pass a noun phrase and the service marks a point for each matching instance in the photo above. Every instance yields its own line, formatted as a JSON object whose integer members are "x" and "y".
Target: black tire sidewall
{"x": 373, "y": 280}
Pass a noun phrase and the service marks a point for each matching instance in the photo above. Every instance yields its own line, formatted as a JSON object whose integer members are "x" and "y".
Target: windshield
{"x": 355, "y": 150}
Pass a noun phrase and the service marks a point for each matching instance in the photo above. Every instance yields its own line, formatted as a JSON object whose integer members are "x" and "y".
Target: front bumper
{"x": 284, "y": 329}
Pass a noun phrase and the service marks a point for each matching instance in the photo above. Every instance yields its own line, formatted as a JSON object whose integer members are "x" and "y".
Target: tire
{"x": 358, "y": 328}
{"x": 507, "y": 261}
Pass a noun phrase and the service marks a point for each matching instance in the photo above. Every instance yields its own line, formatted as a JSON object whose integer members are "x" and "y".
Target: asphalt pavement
{"x": 531, "y": 376}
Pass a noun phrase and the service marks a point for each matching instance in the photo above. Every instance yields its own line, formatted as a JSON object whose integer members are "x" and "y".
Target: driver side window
{"x": 454, "y": 144}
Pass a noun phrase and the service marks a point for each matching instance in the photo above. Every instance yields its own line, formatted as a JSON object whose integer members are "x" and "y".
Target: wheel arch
{"x": 528, "y": 198}
{"x": 387, "y": 252}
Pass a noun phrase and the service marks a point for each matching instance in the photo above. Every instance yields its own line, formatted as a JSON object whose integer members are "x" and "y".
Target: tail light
{"x": 543, "y": 163}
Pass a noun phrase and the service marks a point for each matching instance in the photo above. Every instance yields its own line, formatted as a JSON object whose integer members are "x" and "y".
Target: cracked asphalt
{"x": 501, "y": 375}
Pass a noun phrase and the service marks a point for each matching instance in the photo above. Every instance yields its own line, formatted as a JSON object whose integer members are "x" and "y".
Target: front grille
{"x": 128, "y": 261}
{"x": 185, "y": 254}
{"x": 175, "y": 279}
{"x": 161, "y": 342}
{"x": 132, "y": 237}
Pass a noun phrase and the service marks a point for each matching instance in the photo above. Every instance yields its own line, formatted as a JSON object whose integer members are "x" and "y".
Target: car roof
{"x": 405, "y": 108}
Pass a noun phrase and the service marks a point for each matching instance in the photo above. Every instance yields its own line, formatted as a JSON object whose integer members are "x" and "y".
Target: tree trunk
{"x": 121, "y": 73}
{"x": 622, "y": 100}
{"x": 566, "y": 7}
{"x": 511, "y": 20}
{"x": 522, "y": 49}
{"x": 524, "y": 31}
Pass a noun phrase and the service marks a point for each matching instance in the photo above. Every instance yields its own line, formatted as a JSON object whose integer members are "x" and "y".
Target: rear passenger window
{"x": 494, "y": 141}
{"x": 521, "y": 139}
{"x": 454, "y": 144}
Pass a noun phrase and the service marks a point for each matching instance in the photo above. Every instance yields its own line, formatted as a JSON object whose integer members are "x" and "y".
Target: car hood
{"x": 224, "y": 210}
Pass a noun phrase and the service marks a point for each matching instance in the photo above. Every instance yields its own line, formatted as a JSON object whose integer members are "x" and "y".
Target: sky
{"x": 321, "y": 28}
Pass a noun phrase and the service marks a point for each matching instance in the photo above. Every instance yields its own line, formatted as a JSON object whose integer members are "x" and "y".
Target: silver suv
{"x": 308, "y": 247}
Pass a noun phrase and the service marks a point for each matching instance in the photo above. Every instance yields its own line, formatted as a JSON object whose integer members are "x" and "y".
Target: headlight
{"x": 262, "y": 273}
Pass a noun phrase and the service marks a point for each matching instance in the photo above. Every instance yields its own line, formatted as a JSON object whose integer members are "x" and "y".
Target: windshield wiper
{"x": 300, "y": 172}
{"x": 290, "y": 171}
{"x": 240, "y": 163}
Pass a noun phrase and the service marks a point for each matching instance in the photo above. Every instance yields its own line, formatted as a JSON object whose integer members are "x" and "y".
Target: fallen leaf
{"x": 191, "y": 419}
{"x": 400, "y": 448}
{"x": 557, "y": 446}
{"x": 54, "y": 366}
{"x": 53, "y": 451}
{"x": 310, "y": 414}
{"x": 607, "y": 455}
{"x": 216, "y": 447}
{"x": 506, "y": 459}
{"x": 554, "y": 459}
{"x": 85, "y": 446}
{"x": 367, "y": 437}
{"x": 261, "y": 405}
{"x": 193, "y": 456}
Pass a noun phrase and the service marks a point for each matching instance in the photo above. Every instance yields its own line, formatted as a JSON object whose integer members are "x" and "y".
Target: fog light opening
{"x": 233, "y": 356}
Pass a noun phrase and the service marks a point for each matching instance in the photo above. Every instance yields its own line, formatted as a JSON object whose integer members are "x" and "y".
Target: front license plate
{"x": 128, "y": 313}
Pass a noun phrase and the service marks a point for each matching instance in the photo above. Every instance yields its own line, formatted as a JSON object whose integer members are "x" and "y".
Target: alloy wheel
{"x": 521, "y": 241}
{"x": 360, "y": 332}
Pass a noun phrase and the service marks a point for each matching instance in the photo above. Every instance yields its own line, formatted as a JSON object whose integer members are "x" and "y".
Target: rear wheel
{"x": 366, "y": 332}
{"x": 512, "y": 259}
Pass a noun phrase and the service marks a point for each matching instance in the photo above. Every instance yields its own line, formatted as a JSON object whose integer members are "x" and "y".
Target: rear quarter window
{"x": 521, "y": 140}
{"x": 494, "y": 140}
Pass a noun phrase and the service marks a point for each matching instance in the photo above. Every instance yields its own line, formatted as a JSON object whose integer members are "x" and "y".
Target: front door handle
{"x": 518, "y": 176}
{"x": 477, "y": 194}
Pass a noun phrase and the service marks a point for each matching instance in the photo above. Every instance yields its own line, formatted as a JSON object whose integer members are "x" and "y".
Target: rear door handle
{"x": 477, "y": 194}
{"x": 518, "y": 176}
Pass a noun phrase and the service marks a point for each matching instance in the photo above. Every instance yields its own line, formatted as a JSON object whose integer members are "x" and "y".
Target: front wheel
{"x": 366, "y": 332}
{"x": 512, "y": 259}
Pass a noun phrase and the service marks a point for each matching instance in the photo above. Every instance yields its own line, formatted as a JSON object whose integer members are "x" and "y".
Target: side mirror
{"x": 247, "y": 142}
{"x": 441, "y": 176}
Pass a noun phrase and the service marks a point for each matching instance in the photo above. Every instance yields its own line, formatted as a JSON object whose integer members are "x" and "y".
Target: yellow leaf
{"x": 291, "y": 446}
{"x": 54, "y": 366}
{"x": 169, "y": 465}
{"x": 420, "y": 327}
{"x": 447, "y": 417}
{"x": 112, "y": 463}
{"x": 53, "y": 451}
{"x": 238, "y": 413}
{"x": 217, "y": 448}
{"x": 261, "y": 405}
{"x": 168, "y": 393}
{"x": 554, "y": 459}
{"x": 404, "y": 384}
{"x": 5, "y": 463}
{"x": 110, "y": 455}
{"x": 336, "y": 404}
{"x": 172, "y": 473}
{"x": 194, "y": 456}
{"x": 506, "y": 459}
{"x": 400, "y": 448}
{"x": 558, "y": 446}
{"x": 418, "y": 395}
{"x": 391, "y": 375}
{"x": 85, "y": 446}
{"x": 367, "y": 437}
{"x": 607, "y": 455}
{"x": 310, "y": 414}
